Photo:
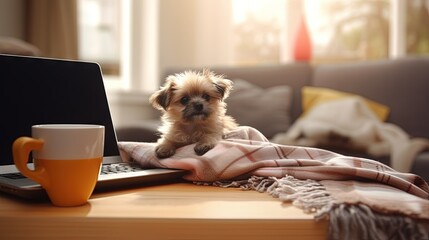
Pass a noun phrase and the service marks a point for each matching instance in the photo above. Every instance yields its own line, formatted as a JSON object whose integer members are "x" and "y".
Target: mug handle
{"x": 21, "y": 149}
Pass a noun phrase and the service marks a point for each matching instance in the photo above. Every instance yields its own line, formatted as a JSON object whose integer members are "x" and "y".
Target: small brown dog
{"x": 193, "y": 111}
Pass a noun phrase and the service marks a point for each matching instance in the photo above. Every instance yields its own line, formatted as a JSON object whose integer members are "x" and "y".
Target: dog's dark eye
{"x": 206, "y": 96}
{"x": 184, "y": 100}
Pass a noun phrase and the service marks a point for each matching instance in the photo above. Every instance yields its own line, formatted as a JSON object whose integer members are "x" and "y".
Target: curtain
{"x": 51, "y": 25}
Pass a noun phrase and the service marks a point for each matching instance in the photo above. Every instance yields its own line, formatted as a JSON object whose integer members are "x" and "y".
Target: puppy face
{"x": 192, "y": 96}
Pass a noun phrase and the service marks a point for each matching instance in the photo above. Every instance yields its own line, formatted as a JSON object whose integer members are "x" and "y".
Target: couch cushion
{"x": 266, "y": 109}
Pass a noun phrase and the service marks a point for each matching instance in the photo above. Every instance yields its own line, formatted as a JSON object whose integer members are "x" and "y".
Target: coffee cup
{"x": 67, "y": 160}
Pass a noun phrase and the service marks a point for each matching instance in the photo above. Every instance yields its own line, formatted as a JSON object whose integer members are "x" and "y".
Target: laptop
{"x": 37, "y": 90}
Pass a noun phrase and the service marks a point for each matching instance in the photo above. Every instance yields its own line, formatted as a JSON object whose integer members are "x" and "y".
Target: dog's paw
{"x": 163, "y": 151}
{"x": 202, "y": 148}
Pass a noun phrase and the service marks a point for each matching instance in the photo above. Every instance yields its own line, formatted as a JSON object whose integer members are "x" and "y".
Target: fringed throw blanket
{"x": 362, "y": 198}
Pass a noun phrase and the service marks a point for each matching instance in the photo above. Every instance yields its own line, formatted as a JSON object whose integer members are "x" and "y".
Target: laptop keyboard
{"x": 13, "y": 175}
{"x": 119, "y": 168}
{"x": 105, "y": 169}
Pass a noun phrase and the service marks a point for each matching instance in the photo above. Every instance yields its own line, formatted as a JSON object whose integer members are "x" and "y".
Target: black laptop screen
{"x": 41, "y": 91}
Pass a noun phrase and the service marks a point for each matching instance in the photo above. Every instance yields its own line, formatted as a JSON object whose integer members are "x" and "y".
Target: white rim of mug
{"x": 68, "y": 126}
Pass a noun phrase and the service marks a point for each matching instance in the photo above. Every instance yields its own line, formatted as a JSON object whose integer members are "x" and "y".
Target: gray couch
{"x": 400, "y": 84}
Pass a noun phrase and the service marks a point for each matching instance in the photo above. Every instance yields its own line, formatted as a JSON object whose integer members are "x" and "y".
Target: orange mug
{"x": 67, "y": 160}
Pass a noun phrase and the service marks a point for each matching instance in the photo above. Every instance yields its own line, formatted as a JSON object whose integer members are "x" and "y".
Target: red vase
{"x": 302, "y": 46}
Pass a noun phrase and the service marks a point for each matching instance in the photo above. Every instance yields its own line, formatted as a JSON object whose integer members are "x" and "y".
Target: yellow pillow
{"x": 311, "y": 96}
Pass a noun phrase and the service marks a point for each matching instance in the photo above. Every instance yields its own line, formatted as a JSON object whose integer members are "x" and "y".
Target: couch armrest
{"x": 139, "y": 132}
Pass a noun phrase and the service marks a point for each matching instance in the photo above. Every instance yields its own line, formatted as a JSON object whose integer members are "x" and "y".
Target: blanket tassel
{"x": 346, "y": 221}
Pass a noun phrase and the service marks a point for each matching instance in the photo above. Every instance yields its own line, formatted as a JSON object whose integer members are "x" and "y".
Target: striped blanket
{"x": 351, "y": 192}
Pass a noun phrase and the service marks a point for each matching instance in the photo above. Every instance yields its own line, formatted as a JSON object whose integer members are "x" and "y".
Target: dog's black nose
{"x": 198, "y": 106}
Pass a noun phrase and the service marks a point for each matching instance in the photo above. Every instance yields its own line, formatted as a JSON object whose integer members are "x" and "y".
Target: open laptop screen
{"x": 41, "y": 91}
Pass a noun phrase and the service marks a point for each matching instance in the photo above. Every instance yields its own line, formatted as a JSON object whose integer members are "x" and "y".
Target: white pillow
{"x": 266, "y": 109}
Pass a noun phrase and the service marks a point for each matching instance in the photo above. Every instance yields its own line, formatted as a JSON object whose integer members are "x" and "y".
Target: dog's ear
{"x": 207, "y": 72}
{"x": 162, "y": 98}
{"x": 223, "y": 86}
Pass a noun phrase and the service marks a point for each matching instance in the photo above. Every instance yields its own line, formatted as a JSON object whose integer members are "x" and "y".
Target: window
{"x": 349, "y": 30}
{"x": 99, "y": 33}
{"x": 138, "y": 40}
{"x": 417, "y": 23}
{"x": 257, "y": 31}
{"x": 358, "y": 30}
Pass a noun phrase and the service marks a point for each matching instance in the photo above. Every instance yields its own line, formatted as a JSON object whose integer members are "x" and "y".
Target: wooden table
{"x": 168, "y": 211}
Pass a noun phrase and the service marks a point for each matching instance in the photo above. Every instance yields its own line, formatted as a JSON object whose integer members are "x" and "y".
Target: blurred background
{"x": 136, "y": 41}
